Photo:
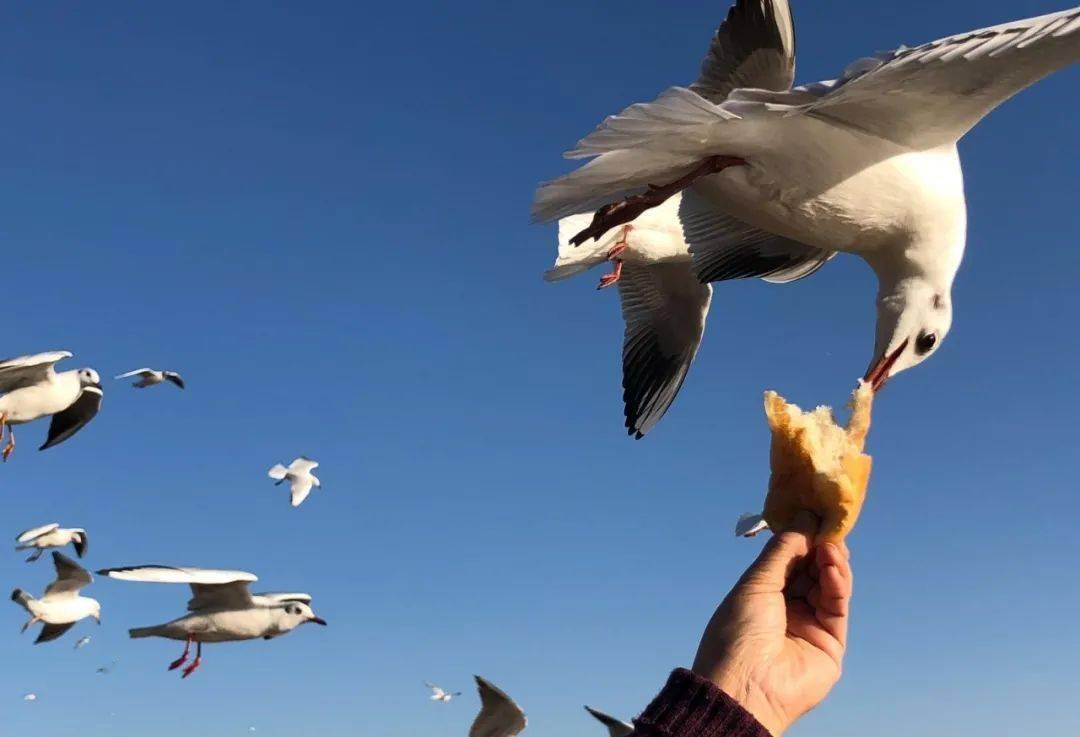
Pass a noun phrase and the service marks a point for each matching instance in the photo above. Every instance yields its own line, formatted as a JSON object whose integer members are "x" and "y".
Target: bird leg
{"x": 614, "y": 257}
{"x": 624, "y": 211}
{"x": 35, "y": 555}
{"x": 31, "y": 621}
{"x": 183, "y": 658}
{"x": 10, "y": 447}
{"x": 195, "y": 663}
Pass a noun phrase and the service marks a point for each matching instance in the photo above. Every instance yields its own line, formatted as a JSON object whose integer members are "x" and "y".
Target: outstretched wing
{"x": 52, "y": 631}
{"x": 210, "y": 588}
{"x": 144, "y": 372}
{"x": 174, "y": 378}
{"x": 36, "y": 532}
{"x": 499, "y": 716}
{"x": 16, "y": 373}
{"x": 664, "y": 307}
{"x": 754, "y": 47}
{"x": 933, "y": 94}
{"x": 70, "y": 578}
{"x": 68, "y": 422}
{"x": 81, "y": 542}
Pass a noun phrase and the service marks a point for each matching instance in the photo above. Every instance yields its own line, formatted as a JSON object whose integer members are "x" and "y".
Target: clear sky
{"x": 321, "y": 218}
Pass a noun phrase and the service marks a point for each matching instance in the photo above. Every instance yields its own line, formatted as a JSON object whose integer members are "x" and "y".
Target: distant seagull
{"x": 222, "y": 609}
{"x": 865, "y": 164}
{"x": 30, "y": 389}
{"x": 300, "y": 477}
{"x": 150, "y": 377}
{"x": 61, "y": 606}
{"x": 29, "y": 697}
{"x": 82, "y": 642}
{"x": 437, "y": 694}
{"x": 39, "y": 539}
{"x": 105, "y": 670}
{"x": 616, "y": 727}
{"x": 499, "y": 716}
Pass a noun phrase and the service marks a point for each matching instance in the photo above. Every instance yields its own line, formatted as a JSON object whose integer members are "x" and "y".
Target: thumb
{"x": 778, "y": 558}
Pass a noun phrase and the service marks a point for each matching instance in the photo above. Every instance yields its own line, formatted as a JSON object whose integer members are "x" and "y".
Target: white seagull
{"x": 30, "y": 388}
{"x": 221, "y": 609}
{"x": 82, "y": 642}
{"x": 61, "y": 606}
{"x": 438, "y": 694}
{"x": 300, "y": 477}
{"x": 866, "y": 164}
{"x": 616, "y": 727}
{"x": 150, "y": 377}
{"x": 499, "y": 716}
{"x": 39, "y": 539}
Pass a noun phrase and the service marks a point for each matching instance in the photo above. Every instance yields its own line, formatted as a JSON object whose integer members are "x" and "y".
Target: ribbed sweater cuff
{"x": 690, "y": 706}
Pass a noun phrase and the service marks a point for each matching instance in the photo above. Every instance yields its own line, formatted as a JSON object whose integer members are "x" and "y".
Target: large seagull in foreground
{"x": 774, "y": 180}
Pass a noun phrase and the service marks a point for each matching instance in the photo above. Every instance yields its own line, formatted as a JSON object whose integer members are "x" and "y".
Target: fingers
{"x": 779, "y": 557}
{"x": 831, "y": 598}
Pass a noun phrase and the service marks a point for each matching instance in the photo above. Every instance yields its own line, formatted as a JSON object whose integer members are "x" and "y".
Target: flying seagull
{"x": 61, "y": 606}
{"x": 866, "y": 164}
{"x": 616, "y": 727}
{"x": 438, "y": 694}
{"x": 150, "y": 377}
{"x": 499, "y": 716}
{"x": 82, "y": 642}
{"x": 221, "y": 609}
{"x": 300, "y": 477}
{"x": 39, "y": 539}
{"x": 30, "y": 388}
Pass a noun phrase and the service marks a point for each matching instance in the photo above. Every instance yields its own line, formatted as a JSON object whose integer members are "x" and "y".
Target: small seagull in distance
{"x": 30, "y": 388}
{"x": 39, "y": 539}
{"x": 105, "y": 670}
{"x": 616, "y": 727}
{"x": 82, "y": 642}
{"x": 61, "y": 606}
{"x": 437, "y": 694}
{"x": 29, "y": 697}
{"x": 499, "y": 716}
{"x": 300, "y": 477}
{"x": 151, "y": 377}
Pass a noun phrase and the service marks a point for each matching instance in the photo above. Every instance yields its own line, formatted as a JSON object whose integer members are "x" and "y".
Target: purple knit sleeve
{"x": 690, "y": 706}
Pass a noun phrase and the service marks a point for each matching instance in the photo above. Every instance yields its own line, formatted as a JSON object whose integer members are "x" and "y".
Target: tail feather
{"x": 140, "y": 632}
{"x": 573, "y": 259}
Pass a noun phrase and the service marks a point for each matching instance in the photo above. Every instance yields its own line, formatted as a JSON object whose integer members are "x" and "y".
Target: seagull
{"x": 221, "y": 609}
{"x": 39, "y": 539}
{"x": 300, "y": 477}
{"x": 616, "y": 727}
{"x": 499, "y": 716}
{"x": 150, "y": 377}
{"x": 865, "y": 164}
{"x": 30, "y": 388}
{"x": 29, "y": 697}
{"x": 104, "y": 670}
{"x": 437, "y": 694}
{"x": 61, "y": 606}
{"x": 82, "y": 642}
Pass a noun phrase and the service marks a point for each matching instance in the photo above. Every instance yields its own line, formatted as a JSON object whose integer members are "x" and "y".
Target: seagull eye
{"x": 925, "y": 343}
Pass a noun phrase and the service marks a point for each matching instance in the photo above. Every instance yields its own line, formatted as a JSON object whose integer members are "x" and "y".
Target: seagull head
{"x": 297, "y": 613}
{"x": 913, "y": 319}
{"x": 89, "y": 377}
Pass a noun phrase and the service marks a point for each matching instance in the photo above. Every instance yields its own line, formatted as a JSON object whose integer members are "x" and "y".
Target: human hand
{"x": 776, "y": 643}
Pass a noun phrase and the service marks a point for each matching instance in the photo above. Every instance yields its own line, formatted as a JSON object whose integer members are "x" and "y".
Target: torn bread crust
{"x": 817, "y": 464}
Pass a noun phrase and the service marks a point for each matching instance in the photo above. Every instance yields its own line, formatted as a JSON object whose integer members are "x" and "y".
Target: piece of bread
{"x": 818, "y": 465}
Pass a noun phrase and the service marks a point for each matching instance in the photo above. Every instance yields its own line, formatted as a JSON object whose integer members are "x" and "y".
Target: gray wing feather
{"x": 754, "y": 47}
{"x": 499, "y": 716}
{"x": 70, "y": 577}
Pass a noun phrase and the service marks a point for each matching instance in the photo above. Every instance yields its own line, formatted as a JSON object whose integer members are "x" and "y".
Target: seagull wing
{"x": 36, "y": 532}
{"x": 664, "y": 306}
{"x": 300, "y": 488}
{"x": 137, "y": 372}
{"x": 16, "y": 373}
{"x": 270, "y": 598}
{"x": 174, "y": 378}
{"x": 210, "y": 588}
{"x": 933, "y": 94}
{"x": 499, "y": 716}
{"x": 81, "y": 542}
{"x": 52, "y": 631}
{"x": 303, "y": 464}
{"x": 232, "y": 595}
{"x": 754, "y": 47}
{"x": 74, "y": 418}
{"x": 616, "y": 727}
{"x": 70, "y": 578}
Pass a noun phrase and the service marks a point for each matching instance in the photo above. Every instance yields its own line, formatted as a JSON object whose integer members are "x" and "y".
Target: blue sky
{"x": 321, "y": 218}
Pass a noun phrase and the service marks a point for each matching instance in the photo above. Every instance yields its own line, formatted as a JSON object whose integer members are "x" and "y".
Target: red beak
{"x": 878, "y": 373}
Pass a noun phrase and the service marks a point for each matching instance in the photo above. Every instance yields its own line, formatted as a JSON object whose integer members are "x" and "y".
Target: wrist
{"x": 737, "y": 682}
